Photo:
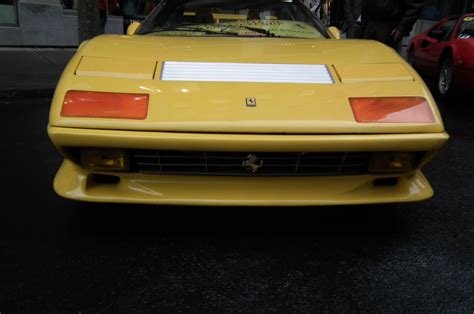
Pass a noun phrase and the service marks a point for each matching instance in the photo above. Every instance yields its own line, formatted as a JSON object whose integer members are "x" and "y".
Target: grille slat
{"x": 233, "y": 163}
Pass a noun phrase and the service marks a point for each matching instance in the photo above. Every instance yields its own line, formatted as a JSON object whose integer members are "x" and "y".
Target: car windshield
{"x": 466, "y": 31}
{"x": 270, "y": 18}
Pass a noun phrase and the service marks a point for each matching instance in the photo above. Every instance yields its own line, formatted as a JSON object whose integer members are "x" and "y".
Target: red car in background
{"x": 445, "y": 52}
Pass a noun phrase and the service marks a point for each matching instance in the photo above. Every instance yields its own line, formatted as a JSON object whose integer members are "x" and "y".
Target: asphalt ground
{"x": 61, "y": 256}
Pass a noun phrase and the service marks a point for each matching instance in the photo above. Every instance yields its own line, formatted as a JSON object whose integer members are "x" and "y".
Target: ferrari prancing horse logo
{"x": 252, "y": 163}
{"x": 251, "y": 102}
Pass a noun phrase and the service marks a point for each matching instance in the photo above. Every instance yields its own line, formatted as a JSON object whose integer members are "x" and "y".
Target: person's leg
{"x": 382, "y": 32}
{"x": 140, "y": 9}
{"x": 103, "y": 21}
{"x": 369, "y": 30}
{"x": 355, "y": 31}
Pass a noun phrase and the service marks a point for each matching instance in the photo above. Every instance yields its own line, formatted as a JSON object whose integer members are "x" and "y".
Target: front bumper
{"x": 77, "y": 183}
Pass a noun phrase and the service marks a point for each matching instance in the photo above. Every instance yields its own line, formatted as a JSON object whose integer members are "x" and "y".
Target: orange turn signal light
{"x": 392, "y": 110}
{"x": 105, "y": 105}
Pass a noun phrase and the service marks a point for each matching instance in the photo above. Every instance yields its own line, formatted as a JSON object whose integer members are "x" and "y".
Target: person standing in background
{"x": 353, "y": 19}
{"x": 106, "y": 6}
{"x": 388, "y": 21}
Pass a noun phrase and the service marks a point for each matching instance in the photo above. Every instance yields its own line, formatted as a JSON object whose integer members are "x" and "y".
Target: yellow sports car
{"x": 214, "y": 102}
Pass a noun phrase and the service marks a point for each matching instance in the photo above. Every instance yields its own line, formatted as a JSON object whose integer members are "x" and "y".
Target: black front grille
{"x": 249, "y": 164}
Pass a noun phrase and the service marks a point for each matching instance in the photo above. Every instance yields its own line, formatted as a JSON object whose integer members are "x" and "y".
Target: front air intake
{"x": 248, "y": 164}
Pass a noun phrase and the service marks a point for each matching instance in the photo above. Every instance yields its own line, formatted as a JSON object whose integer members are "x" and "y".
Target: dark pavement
{"x": 58, "y": 255}
{"x": 29, "y": 69}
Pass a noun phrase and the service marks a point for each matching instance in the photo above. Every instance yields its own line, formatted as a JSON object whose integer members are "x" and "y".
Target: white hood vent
{"x": 246, "y": 72}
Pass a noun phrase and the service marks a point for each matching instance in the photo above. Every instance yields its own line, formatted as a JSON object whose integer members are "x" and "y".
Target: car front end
{"x": 211, "y": 120}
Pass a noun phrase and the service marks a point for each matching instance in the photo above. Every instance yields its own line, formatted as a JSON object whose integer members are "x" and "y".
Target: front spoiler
{"x": 73, "y": 182}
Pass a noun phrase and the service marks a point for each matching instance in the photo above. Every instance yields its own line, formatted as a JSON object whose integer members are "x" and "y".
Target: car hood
{"x": 242, "y": 85}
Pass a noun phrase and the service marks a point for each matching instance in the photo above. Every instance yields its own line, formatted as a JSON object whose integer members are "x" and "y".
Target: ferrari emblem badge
{"x": 252, "y": 163}
{"x": 251, "y": 102}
